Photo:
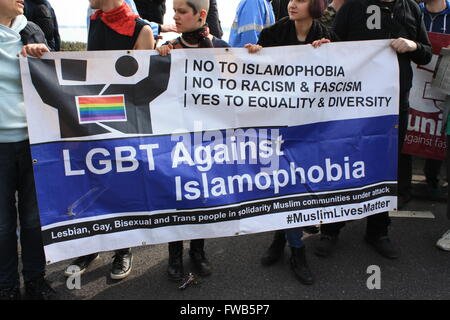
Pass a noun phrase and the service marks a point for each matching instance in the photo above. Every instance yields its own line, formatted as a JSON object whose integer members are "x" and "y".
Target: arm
{"x": 418, "y": 49}
{"x": 422, "y": 55}
{"x": 34, "y": 49}
{"x": 213, "y": 20}
{"x": 44, "y": 20}
{"x": 145, "y": 40}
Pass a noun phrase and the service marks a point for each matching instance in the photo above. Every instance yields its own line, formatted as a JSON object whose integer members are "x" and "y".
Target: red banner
{"x": 424, "y": 137}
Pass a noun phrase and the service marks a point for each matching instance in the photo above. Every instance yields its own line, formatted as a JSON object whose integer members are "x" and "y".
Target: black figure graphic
{"x": 137, "y": 96}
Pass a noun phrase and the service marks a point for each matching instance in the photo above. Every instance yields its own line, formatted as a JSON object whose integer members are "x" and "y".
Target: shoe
{"x": 276, "y": 249}
{"x": 311, "y": 229}
{"x": 444, "y": 242}
{"x": 10, "y": 294}
{"x": 122, "y": 264}
{"x": 81, "y": 264}
{"x": 175, "y": 270}
{"x": 383, "y": 246}
{"x": 326, "y": 246}
{"x": 200, "y": 262}
{"x": 300, "y": 267}
{"x": 39, "y": 289}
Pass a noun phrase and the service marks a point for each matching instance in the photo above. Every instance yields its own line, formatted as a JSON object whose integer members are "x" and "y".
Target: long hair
{"x": 317, "y": 8}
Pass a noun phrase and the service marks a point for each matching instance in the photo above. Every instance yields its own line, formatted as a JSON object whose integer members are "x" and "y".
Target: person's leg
{"x": 122, "y": 264}
{"x": 9, "y": 276}
{"x": 448, "y": 170}
{"x": 198, "y": 257}
{"x": 294, "y": 237}
{"x": 432, "y": 169}
{"x": 33, "y": 256}
{"x": 377, "y": 235}
{"x": 329, "y": 234}
{"x": 444, "y": 242}
{"x": 377, "y": 225}
{"x": 175, "y": 270}
{"x": 404, "y": 164}
{"x": 298, "y": 261}
{"x": 276, "y": 249}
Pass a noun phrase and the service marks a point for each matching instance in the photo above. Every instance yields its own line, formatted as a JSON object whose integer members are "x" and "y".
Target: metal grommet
{"x": 35, "y": 161}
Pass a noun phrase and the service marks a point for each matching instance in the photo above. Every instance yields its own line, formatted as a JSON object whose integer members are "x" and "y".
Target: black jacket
{"x": 152, "y": 10}
{"x": 213, "y": 20}
{"x": 280, "y": 8}
{"x": 42, "y": 13}
{"x": 405, "y": 21}
{"x": 32, "y": 34}
{"x": 283, "y": 33}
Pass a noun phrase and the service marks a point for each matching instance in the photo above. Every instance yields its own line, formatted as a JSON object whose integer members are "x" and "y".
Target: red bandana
{"x": 122, "y": 20}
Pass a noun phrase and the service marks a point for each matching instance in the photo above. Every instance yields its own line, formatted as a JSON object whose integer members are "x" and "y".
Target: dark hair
{"x": 317, "y": 8}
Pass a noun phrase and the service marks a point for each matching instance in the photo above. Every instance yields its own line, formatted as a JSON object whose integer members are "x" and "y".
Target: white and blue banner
{"x": 130, "y": 148}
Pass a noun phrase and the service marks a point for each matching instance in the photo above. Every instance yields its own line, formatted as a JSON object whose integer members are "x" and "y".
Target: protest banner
{"x": 131, "y": 148}
{"x": 424, "y": 136}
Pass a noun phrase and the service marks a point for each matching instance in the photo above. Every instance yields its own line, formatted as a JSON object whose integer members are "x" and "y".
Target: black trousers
{"x": 196, "y": 245}
{"x": 432, "y": 168}
{"x": 448, "y": 175}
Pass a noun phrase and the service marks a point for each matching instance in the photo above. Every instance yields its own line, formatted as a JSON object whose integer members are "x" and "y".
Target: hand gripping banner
{"x": 131, "y": 148}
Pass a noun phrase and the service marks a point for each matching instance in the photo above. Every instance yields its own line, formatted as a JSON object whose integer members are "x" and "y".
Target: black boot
{"x": 198, "y": 258}
{"x": 276, "y": 249}
{"x": 39, "y": 289}
{"x": 175, "y": 270}
{"x": 300, "y": 266}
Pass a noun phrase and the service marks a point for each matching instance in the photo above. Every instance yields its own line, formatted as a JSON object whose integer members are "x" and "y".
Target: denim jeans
{"x": 16, "y": 174}
{"x": 294, "y": 237}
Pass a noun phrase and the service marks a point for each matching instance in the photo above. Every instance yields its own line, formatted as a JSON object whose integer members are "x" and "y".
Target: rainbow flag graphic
{"x": 101, "y": 108}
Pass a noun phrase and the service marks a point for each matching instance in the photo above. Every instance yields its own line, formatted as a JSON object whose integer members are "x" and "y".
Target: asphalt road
{"x": 422, "y": 272}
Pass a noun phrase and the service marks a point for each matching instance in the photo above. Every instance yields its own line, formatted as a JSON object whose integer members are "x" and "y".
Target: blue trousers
{"x": 16, "y": 174}
{"x": 294, "y": 237}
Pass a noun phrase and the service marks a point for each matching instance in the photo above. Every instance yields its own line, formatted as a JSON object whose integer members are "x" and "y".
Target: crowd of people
{"x": 30, "y": 27}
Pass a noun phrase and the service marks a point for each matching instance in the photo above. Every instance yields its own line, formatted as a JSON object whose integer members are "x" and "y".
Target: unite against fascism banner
{"x": 131, "y": 148}
{"x": 424, "y": 137}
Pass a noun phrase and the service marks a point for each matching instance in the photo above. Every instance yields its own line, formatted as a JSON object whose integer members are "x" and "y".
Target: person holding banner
{"x": 190, "y": 19}
{"x": 16, "y": 171}
{"x": 437, "y": 19}
{"x": 297, "y": 29}
{"x": 401, "y": 21}
{"x": 436, "y": 15}
{"x": 114, "y": 27}
{"x": 444, "y": 242}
